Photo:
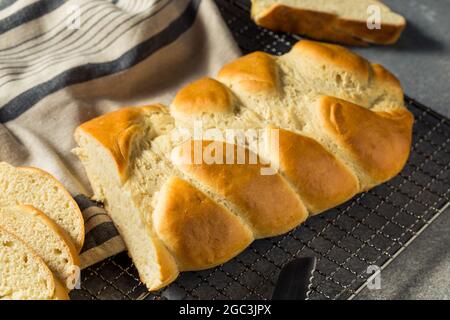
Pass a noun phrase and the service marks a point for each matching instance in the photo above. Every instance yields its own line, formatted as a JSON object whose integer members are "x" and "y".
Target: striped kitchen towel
{"x": 63, "y": 62}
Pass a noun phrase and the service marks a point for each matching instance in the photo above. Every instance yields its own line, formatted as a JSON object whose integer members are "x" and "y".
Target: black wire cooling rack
{"x": 371, "y": 229}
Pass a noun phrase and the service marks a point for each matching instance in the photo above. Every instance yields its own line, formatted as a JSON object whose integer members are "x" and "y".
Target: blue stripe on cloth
{"x": 14, "y": 56}
{"x": 99, "y": 235}
{"x": 6, "y": 3}
{"x": 82, "y": 73}
{"x": 29, "y": 13}
{"x": 62, "y": 22}
{"x": 84, "y": 202}
{"x": 50, "y": 60}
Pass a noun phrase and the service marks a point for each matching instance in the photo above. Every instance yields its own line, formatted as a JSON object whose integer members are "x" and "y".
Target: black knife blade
{"x": 295, "y": 279}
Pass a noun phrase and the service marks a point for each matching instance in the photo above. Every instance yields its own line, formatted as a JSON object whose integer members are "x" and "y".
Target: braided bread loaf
{"x": 342, "y": 128}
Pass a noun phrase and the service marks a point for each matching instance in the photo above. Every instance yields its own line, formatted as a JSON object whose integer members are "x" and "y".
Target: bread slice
{"x": 41, "y": 190}
{"x": 23, "y": 274}
{"x": 341, "y": 21}
{"x": 45, "y": 237}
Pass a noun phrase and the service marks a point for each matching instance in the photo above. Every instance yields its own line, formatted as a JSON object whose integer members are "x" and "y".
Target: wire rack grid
{"x": 369, "y": 230}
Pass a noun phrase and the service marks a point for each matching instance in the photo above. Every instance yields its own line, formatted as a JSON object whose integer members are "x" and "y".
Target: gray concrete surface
{"x": 421, "y": 60}
{"x": 422, "y": 271}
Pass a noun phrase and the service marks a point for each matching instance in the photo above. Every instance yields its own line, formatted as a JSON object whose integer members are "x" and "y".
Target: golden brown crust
{"x": 199, "y": 232}
{"x": 117, "y": 130}
{"x": 60, "y": 291}
{"x": 379, "y": 142}
{"x": 205, "y": 95}
{"x": 318, "y": 176}
{"x": 266, "y": 202}
{"x": 168, "y": 269}
{"x": 383, "y": 78}
{"x": 326, "y": 26}
{"x": 317, "y": 25}
{"x": 255, "y": 73}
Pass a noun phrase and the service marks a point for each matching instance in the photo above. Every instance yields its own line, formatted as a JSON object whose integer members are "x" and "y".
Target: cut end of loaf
{"x": 156, "y": 266}
{"x": 117, "y": 131}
